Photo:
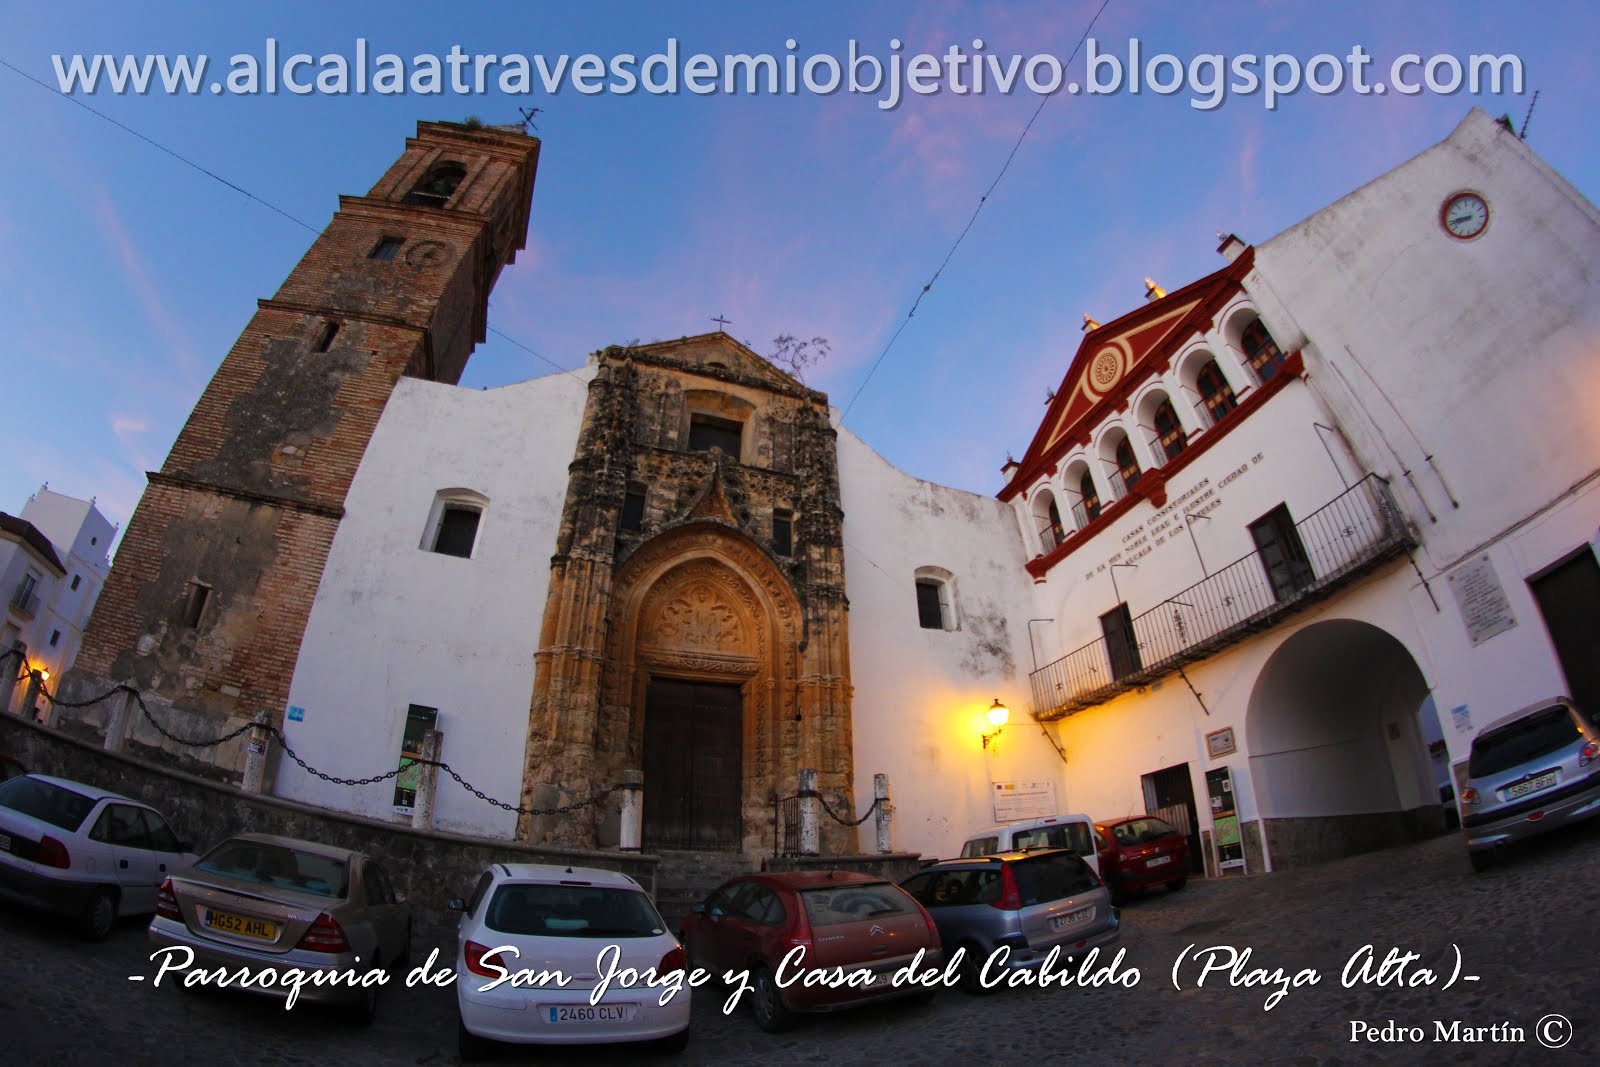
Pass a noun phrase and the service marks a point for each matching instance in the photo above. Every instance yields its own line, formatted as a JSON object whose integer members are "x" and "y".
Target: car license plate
{"x": 1071, "y": 918}
{"x": 239, "y": 925}
{"x": 1156, "y": 861}
{"x": 5, "y": 842}
{"x": 589, "y": 1013}
{"x": 1532, "y": 785}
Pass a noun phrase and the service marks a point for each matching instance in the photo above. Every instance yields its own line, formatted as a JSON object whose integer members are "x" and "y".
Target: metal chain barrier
{"x": 277, "y": 734}
{"x": 841, "y": 820}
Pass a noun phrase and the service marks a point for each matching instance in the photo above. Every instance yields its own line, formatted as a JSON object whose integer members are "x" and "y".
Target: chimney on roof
{"x": 1088, "y": 323}
{"x": 1231, "y": 247}
{"x": 1152, "y": 291}
{"x": 1010, "y": 467}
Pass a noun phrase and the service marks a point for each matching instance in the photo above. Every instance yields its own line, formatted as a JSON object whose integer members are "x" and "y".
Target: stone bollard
{"x": 10, "y": 665}
{"x": 810, "y": 813}
{"x": 632, "y": 831}
{"x": 30, "y": 698}
{"x": 123, "y": 715}
{"x": 427, "y": 781}
{"x": 880, "y": 792}
{"x": 255, "y": 760}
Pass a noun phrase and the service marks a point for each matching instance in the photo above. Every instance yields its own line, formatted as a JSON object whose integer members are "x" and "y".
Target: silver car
{"x": 278, "y": 905}
{"x": 1530, "y": 772}
{"x": 1027, "y": 902}
{"x": 81, "y": 851}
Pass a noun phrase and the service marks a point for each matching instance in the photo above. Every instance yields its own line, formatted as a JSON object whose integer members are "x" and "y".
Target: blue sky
{"x": 125, "y": 276}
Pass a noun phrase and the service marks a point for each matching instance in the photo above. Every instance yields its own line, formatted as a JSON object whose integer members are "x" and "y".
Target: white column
{"x": 632, "y": 830}
{"x": 123, "y": 713}
{"x": 810, "y": 812}
{"x": 427, "y": 781}
{"x": 255, "y": 760}
{"x": 880, "y": 791}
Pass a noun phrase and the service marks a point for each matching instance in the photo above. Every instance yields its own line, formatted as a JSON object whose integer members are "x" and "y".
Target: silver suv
{"x": 1027, "y": 902}
{"x": 1530, "y": 772}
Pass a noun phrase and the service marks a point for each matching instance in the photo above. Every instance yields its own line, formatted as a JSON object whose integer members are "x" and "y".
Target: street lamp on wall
{"x": 998, "y": 715}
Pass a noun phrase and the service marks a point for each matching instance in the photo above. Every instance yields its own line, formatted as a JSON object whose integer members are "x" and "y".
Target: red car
{"x": 1141, "y": 852}
{"x": 841, "y": 918}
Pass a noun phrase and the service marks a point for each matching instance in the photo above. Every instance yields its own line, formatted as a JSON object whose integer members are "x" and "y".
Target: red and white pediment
{"x": 1114, "y": 359}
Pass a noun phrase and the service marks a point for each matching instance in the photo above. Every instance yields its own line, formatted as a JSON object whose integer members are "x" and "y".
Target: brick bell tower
{"x": 207, "y": 602}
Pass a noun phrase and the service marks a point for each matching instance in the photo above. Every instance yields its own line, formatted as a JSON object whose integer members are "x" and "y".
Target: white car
{"x": 80, "y": 851}
{"x": 526, "y": 920}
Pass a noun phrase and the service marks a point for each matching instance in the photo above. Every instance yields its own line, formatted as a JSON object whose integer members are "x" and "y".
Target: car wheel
{"x": 972, "y": 961}
{"x": 675, "y": 1044}
{"x": 469, "y": 1046}
{"x": 766, "y": 1000}
{"x": 363, "y": 1011}
{"x": 99, "y": 916}
{"x": 1177, "y": 883}
{"x": 1482, "y": 858}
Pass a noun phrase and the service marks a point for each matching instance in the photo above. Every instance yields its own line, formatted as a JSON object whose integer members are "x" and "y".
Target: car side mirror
{"x": 400, "y": 898}
{"x": 716, "y": 913}
{"x": 456, "y": 904}
{"x": 698, "y": 909}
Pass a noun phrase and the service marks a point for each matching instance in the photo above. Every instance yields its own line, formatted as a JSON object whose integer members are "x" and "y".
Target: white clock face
{"x": 1465, "y": 215}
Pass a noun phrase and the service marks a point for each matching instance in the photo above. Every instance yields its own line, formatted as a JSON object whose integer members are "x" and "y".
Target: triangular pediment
{"x": 718, "y": 352}
{"x": 1114, "y": 358}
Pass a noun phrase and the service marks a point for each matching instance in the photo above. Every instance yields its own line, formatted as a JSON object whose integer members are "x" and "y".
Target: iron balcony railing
{"x": 1352, "y": 533}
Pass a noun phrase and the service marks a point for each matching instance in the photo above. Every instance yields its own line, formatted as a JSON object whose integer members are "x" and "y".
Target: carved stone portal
{"x": 695, "y": 593}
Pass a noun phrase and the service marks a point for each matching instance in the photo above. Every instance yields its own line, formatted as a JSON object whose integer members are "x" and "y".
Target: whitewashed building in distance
{"x": 1287, "y": 536}
{"x": 54, "y": 557}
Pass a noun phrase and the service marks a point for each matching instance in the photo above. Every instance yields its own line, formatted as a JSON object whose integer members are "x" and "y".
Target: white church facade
{"x": 1285, "y": 538}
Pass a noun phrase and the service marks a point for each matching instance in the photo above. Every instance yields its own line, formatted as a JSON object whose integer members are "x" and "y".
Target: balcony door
{"x": 1121, "y": 647}
{"x": 1282, "y": 553}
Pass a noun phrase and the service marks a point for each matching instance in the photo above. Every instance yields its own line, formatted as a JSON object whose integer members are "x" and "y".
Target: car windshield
{"x": 1140, "y": 831}
{"x": 545, "y": 910}
{"x": 953, "y": 888}
{"x": 278, "y": 866}
{"x": 46, "y": 801}
{"x": 1523, "y": 740}
{"x": 1073, "y": 835}
{"x": 832, "y": 905}
{"x": 1053, "y": 876}
{"x": 980, "y": 846}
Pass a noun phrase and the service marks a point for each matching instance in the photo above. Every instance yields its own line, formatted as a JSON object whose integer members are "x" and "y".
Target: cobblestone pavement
{"x": 1526, "y": 928}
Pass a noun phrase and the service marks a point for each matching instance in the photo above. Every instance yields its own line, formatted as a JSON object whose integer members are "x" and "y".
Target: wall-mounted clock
{"x": 1464, "y": 215}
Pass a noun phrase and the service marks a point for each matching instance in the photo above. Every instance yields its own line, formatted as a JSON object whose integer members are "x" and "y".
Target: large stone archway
{"x": 703, "y": 604}
{"x": 700, "y": 603}
{"x": 1336, "y": 757}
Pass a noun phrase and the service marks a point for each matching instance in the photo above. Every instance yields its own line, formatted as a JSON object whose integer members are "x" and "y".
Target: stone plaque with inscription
{"x": 1482, "y": 600}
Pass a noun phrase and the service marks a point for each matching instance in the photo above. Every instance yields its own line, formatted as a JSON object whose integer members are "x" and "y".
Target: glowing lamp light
{"x": 998, "y": 715}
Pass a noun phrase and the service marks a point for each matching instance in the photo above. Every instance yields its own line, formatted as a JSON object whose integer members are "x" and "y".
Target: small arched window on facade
{"x": 936, "y": 601}
{"x": 1127, "y": 465}
{"x": 1048, "y": 518}
{"x": 1170, "y": 431}
{"x": 1091, "y": 498}
{"x": 438, "y": 185}
{"x": 1265, "y": 357}
{"x": 1215, "y": 392}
